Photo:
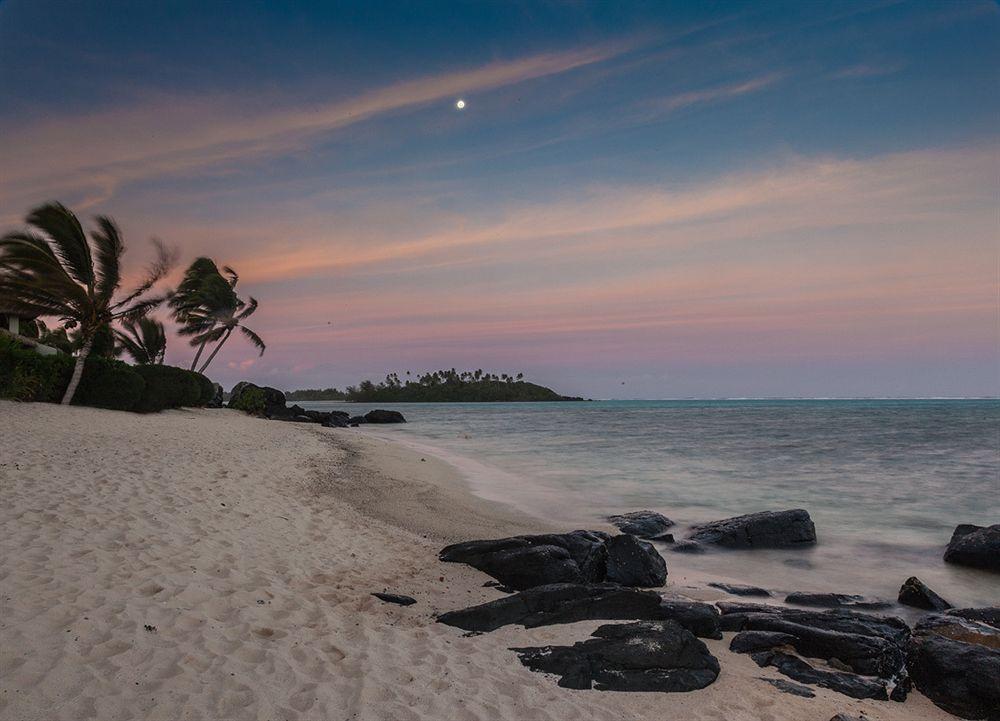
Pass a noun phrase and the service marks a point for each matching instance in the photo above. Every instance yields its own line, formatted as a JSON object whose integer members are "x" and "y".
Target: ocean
{"x": 885, "y": 481}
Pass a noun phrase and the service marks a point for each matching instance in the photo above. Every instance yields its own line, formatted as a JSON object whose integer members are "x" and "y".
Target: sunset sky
{"x": 670, "y": 200}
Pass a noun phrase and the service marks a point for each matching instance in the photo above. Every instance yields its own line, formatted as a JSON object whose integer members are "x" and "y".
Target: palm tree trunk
{"x": 198, "y": 354}
{"x": 224, "y": 339}
{"x": 74, "y": 381}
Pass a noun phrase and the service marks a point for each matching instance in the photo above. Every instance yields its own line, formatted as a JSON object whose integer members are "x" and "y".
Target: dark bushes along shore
{"x": 106, "y": 383}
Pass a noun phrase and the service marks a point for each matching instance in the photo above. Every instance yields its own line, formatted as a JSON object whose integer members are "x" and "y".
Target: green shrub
{"x": 167, "y": 387}
{"x": 251, "y": 400}
{"x": 207, "y": 389}
{"x": 28, "y": 376}
{"x": 109, "y": 383}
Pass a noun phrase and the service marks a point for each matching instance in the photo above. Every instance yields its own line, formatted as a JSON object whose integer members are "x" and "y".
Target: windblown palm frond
{"x": 52, "y": 269}
{"x": 144, "y": 340}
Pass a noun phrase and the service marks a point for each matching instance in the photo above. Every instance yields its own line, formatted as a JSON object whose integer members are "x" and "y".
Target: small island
{"x": 443, "y": 386}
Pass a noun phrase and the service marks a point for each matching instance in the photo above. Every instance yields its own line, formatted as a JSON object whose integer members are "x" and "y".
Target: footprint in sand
{"x": 150, "y": 589}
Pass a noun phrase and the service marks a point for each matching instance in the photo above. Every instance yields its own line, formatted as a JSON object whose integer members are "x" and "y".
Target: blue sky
{"x": 695, "y": 199}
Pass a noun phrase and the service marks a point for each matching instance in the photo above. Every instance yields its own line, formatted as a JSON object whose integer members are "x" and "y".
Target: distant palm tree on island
{"x": 443, "y": 386}
{"x": 208, "y": 309}
{"x": 52, "y": 269}
{"x": 145, "y": 341}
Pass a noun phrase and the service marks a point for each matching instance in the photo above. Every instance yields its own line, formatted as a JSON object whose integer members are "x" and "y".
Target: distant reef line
{"x": 437, "y": 387}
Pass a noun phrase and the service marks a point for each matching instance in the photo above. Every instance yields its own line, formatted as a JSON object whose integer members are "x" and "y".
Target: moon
{"x": 460, "y": 104}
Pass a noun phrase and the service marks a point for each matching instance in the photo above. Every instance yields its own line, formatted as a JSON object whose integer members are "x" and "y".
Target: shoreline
{"x": 205, "y": 564}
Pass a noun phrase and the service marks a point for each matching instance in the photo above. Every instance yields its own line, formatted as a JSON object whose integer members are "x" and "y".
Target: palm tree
{"x": 227, "y": 319}
{"x": 52, "y": 269}
{"x": 198, "y": 299}
{"x": 144, "y": 340}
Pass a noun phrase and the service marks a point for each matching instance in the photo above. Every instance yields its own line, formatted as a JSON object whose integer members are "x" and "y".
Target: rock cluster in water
{"x": 976, "y": 546}
{"x": 952, "y": 655}
{"x": 276, "y": 408}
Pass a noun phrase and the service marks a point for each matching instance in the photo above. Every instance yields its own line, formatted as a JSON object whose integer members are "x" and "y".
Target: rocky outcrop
{"x": 274, "y": 400}
{"x": 836, "y": 600}
{"x": 644, "y": 524}
{"x": 740, "y": 590}
{"x": 990, "y": 615}
{"x": 956, "y": 664}
{"x": 381, "y": 416}
{"x": 767, "y": 529}
{"x": 848, "y": 684}
{"x": 571, "y": 602}
{"x": 742, "y": 615}
{"x": 796, "y": 689}
{"x": 521, "y": 562}
{"x": 976, "y": 546}
{"x": 629, "y": 657}
{"x": 915, "y": 592}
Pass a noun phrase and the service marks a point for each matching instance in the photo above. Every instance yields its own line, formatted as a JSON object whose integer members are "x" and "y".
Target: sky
{"x": 638, "y": 200}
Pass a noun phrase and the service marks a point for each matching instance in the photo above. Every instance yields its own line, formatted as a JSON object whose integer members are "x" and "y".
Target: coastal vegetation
{"x": 208, "y": 309}
{"x": 442, "y": 386}
{"x": 53, "y": 269}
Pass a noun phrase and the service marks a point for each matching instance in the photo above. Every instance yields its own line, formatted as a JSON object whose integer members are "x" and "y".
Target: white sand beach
{"x": 203, "y": 564}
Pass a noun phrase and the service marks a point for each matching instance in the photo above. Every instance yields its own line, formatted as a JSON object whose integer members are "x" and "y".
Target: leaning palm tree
{"x": 202, "y": 295}
{"x": 227, "y": 320}
{"x": 144, "y": 340}
{"x": 52, "y": 269}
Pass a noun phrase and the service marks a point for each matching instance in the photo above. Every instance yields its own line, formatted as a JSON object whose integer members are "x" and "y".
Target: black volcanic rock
{"x": 644, "y": 524}
{"x": 752, "y": 641}
{"x": 976, "y": 546}
{"x": 660, "y": 656}
{"x": 740, "y": 590}
{"x": 956, "y": 664}
{"x": 742, "y": 615}
{"x": 848, "y": 684}
{"x": 571, "y": 602}
{"x": 796, "y": 689}
{"x": 836, "y": 600}
{"x": 990, "y": 615}
{"x": 631, "y": 562}
{"x": 522, "y": 562}
{"x": 687, "y": 547}
{"x": 396, "y": 598}
{"x": 915, "y": 592}
{"x": 381, "y": 416}
{"x": 767, "y": 529}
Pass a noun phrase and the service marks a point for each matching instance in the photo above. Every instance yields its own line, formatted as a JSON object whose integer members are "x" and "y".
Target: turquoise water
{"x": 886, "y": 481}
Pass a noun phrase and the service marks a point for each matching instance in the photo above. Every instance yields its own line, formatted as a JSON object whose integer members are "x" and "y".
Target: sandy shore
{"x": 250, "y": 549}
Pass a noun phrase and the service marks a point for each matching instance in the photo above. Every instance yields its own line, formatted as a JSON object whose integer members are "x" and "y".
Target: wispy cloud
{"x": 868, "y": 70}
{"x": 92, "y": 155}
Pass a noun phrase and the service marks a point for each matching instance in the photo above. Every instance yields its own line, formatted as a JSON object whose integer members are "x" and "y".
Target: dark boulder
{"x": 644, "y": 524}
{"x": 631, "y": 562}
{"x": 336, "y": 419}
{"x": 571, "y": 602}
{"x": 355, "y": 421}
{"x": 396, "y": 598}
{"x": 629, "y": 657}
{"x": 956, "y": 664}
{"x": 976, "y": 546}
{"x": 218, "y": 397}
{"x": 847, "y": 717}
{"x": 836, "y": 600}
{"x": 848, "y": 684}
{"x": 753, "y": 641}
{"x": 521, "y": 562}
{"x": 990, "y": 615}
{"x": 767, "y": 529}
{"x": 381, "y": 416}
{"x": 741, "y": 615}
{"x": 915, "y": 592}
{"x": 870, "y": 655}
{"x": 796, "y": 689}
{"x": 739, "y": 590}
{"x": 274, "y": 400}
